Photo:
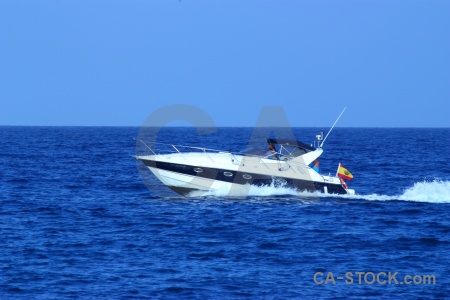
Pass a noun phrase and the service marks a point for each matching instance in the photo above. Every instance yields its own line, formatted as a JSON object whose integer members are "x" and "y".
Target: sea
{"x": 80, "y": 218}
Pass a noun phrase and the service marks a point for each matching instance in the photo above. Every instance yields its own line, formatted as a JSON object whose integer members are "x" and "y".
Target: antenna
{"x": 332, "y": 127}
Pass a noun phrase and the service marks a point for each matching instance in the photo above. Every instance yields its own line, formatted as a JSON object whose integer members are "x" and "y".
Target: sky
{"x": 116, "y": 62}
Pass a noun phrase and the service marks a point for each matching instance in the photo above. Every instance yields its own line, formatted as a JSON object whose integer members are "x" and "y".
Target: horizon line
{"x": 178, "y": 126}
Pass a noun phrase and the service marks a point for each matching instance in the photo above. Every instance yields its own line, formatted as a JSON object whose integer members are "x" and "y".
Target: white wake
{"x": 274, "y": 189}
{"x": 436, "y": 191}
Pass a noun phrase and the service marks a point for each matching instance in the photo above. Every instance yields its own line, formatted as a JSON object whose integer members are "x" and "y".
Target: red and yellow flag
{"x": 344, "y": 173}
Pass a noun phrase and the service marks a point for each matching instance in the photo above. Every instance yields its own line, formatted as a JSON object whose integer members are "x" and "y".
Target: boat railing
{"x": 156, "y": 148}
{"x": 147, "y": 148}
{"x": 162, "y": 148}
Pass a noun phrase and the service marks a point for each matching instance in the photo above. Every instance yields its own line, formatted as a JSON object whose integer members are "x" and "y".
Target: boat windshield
{"x": 292, "y": 151}
{"x": 283, "y": 152}
{"x": 254, "y": 152}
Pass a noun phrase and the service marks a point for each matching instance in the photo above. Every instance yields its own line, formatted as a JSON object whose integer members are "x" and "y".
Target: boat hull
{"x": 184, "y": 177}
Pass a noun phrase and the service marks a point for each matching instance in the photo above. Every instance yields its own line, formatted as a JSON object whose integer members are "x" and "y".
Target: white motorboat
{"x": 185, "y": 169}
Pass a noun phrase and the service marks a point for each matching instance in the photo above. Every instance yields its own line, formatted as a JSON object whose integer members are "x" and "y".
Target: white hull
{"x": 235, "y": 174}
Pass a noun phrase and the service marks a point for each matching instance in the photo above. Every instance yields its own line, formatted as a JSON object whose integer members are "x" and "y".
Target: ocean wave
{"x": 436, "y": 191}
{"x": 276, "y": 188}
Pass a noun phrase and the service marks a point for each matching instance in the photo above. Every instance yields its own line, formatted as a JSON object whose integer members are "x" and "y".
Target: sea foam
{"x": 435, "y": 191}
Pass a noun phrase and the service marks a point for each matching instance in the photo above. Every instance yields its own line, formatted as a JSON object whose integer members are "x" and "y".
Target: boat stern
{"x": 350, "y": 191}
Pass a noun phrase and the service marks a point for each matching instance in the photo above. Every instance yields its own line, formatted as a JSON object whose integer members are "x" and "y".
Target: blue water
{"x": 77, "y": 221}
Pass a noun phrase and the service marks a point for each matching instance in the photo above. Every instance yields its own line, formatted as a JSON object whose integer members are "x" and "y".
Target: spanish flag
{"x": 344, "y": 173}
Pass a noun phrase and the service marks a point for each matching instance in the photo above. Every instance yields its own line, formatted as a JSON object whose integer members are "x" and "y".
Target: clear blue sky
{"x": 92, "y": 62}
